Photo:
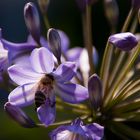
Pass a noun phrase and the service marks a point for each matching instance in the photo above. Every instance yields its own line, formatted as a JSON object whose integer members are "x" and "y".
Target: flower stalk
{"x": 87, "y": 28}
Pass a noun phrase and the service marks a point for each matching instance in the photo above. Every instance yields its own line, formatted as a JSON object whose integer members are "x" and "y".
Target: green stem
{"x": 128, "y": 20}
{"x": 134, "y": 25}
{"x": 62, "y": 122}
{"x": 47, "y": 24}
{"x": 104, "y": 73}
{"x": 122, "y": 74}
{"x": 87, "y": 31}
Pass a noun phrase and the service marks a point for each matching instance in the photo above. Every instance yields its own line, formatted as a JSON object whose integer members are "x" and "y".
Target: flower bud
{"x": 124, "y": 41}
{"x": 43, "y": 4}
{"x": 32, "y": 21}
{"x": 111, "y": 12}
{"x": 136, "y": 4}
{"x": 82, "y": 3}
{"x": 54, "y": 43}
{"x": 19, "y": 116}
{"x": 95, "y": 91}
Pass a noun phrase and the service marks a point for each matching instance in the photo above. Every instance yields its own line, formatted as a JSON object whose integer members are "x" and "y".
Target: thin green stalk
{"x": 62, "y": 122}
{"x": 128, "y": 20}
{"x": 134, "y": 25}
{"x": 47, "y": 24}
{"x": 87, "y": 31}
{"x": 122, "y": 74}
{"x": 116, "y": 68}
{"x": 104, "y": 73}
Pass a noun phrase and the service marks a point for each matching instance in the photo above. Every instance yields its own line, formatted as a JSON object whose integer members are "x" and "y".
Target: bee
{"x": 44, "y": 90}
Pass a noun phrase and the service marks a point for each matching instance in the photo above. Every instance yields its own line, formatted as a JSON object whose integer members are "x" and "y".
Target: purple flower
{"x": 136, "y": 4}
{"x": 54, "y": 41}
{"x": 18, "y": 115}
{"x": 123, "y": 41}
{"x": 40, "y": 80}
{"x": 78, "y": 131}
{"x": 32, "y": 21}
{"x": 3, "y": 59}
{"x": 80, "y": 56}
{"x": 95, "y": 91}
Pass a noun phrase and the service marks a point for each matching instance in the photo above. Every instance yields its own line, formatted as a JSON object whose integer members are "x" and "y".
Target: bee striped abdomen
{"x": 40, "y": 99}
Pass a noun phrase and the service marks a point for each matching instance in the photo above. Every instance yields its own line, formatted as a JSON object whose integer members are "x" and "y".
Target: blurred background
{"x": 64, "y": 15}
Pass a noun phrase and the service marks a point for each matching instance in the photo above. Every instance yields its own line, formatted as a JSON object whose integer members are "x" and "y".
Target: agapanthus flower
{"x": 78, "y": 131}
{"x": 123, "y": 41}
{"x": 19, "y": 116}
{"x": 40, "y": 80}
{"x": 13, "y": 53}
{"x": 32, "y": 21}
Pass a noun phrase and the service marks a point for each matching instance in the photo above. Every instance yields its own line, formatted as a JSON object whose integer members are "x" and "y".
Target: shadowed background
{"x": 64, "y": 15}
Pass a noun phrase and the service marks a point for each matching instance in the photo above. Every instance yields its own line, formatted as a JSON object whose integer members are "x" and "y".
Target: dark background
{"x": 64, "y": 15}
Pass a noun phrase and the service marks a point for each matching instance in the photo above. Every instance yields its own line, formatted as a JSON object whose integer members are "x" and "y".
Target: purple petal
{"x": 23, "y": 75}
{"x": 74, "y": 54}
{"x": 4, "y": 63}
{"x": 123, "y": 41}
{"x": 77, "y": 131}
{"x": 43, "y": 41}
{"x": 72, "y": 93}
{"x": 65, "y": 42}
{"x": 54, "y": 43}
{"x": 96, "y": 131}
{"x": 32, "y": 20}
{"x": 17, "y": 46}
{"x": 16, "y": 50}
{"x": 69, "y": 132}
{"x": 65, "y": 72}
{"x": 95, "y": 91}
{"x": 22, "y": 95}
{"x": 42, "y": 60}
{"x": 46, "y": 112}
{"x": 19, "y": 116}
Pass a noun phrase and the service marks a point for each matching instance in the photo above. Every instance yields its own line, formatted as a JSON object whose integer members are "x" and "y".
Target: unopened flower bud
{"x": 54, "y": 43}
{"x": 43, "y": 4}
{"x": 32, "y": 21}
{"x": 19, "y": 116}
{"x": 111, "y": 12}
{"x": 124, "y": 41}
{"x": 95, "y": 91}
{"x": 136, "y": 4}
{"x": 82, "y": 3}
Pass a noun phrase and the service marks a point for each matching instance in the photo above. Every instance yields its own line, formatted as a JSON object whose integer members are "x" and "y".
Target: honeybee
{"x": 44, "y": 90}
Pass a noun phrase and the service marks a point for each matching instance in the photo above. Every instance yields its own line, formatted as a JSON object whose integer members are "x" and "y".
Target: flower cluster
{"x": 52, "y": 77}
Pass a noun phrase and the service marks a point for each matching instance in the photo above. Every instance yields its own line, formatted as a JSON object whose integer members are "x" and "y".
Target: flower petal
{"x": 65, "y": 72}
{"x": 19, "y": 116}
{"x": 42, "y": 60}
{"x": 17, "y": 46}
{"x": 74, "y": 54}
{"x": 23, "y": 75}
{"x": 46, "y": 112}
{"x": 72, "y": 93}
{"x": 43, "y": 41}
{"x": 95, "y": 91}
{"x": 65, "y": 42}
{"x": 96, "y": 131}
{"x": 22, "y": 95}
{"x": 123, "y": 41}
